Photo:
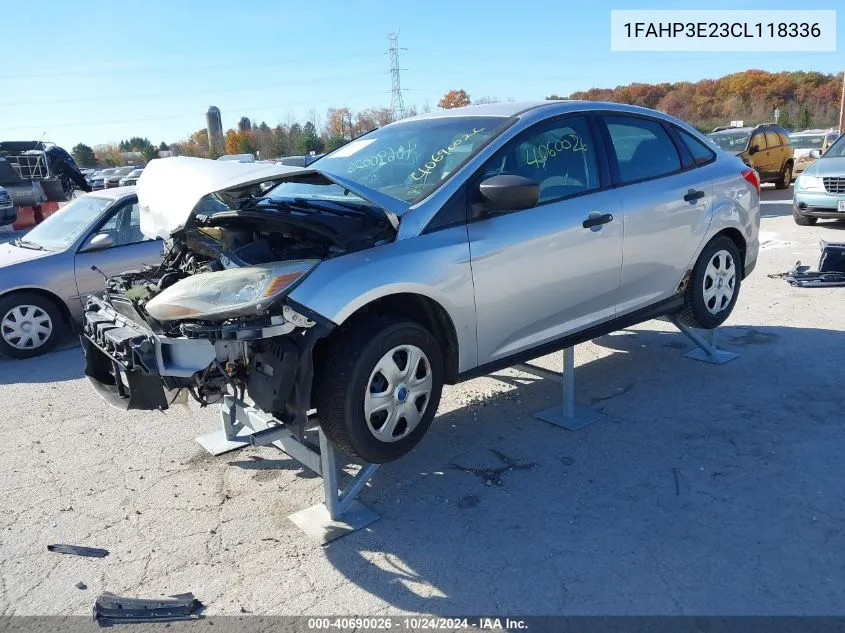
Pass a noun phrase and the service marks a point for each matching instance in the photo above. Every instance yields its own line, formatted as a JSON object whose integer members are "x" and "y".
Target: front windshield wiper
{"x": 28, "y": 244}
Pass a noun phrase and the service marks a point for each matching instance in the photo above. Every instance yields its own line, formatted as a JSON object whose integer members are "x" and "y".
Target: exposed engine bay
{"x": 213, "y": 317}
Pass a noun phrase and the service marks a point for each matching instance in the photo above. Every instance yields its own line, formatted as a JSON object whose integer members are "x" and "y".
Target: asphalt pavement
{"x": 704, "y": 489}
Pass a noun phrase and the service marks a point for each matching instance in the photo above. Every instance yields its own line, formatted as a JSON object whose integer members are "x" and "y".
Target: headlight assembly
{"x": 227, "y": 293}
{"x": 807, "y": 182}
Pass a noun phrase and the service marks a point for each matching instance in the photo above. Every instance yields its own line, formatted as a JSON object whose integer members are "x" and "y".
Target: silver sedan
{"x": 46, "y": 275}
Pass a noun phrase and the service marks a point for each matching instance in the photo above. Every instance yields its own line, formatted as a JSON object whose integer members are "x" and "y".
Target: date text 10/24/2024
{"x": 416, "y": 623}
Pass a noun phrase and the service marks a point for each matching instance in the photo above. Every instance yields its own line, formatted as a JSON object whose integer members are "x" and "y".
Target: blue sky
{"x": 97, "y": 72}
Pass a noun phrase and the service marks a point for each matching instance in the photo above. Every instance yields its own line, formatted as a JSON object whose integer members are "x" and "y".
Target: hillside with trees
{"x": 805, "y": 98}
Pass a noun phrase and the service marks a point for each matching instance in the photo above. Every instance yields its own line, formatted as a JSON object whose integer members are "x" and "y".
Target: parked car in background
{"x": 820, "y": 190}
{"x": 46, "y": 275}
{"x": 806, "y": 141}
{"x": 132, "y": 177}
{"x": 113, "y": 179}
{"x": 432, "y": 250}
{"x": 98, "y": 179}
{"x": 765, "y": 148}
{"x": 8, "y": 210}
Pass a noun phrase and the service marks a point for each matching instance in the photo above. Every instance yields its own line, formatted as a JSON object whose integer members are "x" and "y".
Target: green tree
{"x": 149, "y": 153}
{"x": 245, "y": 145}
{"x": 281, "y": 142}
{"x": 333, "y": 142}
{"x": 309, "y": 141}
{"x": 784, "y": 120}
{"x": 805, "y": 121}
{"x": 162, "y": 147}
{"x": 84, "y": 155}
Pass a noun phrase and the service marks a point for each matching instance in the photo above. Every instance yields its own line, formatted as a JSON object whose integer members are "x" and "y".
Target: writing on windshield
{"x": 425, "y": 170}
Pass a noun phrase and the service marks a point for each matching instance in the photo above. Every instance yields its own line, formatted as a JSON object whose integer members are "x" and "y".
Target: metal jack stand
{"x": 567, "y": 415}
{"x": 339, "y": 513}
{"x": 707, "y": 350}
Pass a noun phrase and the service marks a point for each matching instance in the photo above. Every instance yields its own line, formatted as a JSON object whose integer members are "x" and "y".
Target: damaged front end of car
{"x": 215, "y": 316}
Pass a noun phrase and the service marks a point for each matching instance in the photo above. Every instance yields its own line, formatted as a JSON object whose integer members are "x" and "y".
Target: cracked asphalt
{"x": 704, "y": 489}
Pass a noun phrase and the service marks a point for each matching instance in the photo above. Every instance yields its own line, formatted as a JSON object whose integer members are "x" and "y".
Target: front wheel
{"x": 714, "y": 285}
{"x": 801, "y": 219}
{"x": 29, "y": 325}
{"x": 378, "y": 388}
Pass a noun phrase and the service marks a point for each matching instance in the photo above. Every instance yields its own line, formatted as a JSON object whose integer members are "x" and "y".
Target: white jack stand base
{"x": 339, "y": 513}
{"x": 566, "y": 415}
{"x": 707, "y": 351}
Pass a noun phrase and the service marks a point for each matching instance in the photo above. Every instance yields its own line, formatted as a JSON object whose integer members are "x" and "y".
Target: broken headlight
{"x": 227, "y": 293}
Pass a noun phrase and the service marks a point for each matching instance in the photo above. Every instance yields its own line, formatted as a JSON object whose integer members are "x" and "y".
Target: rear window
{"x": 772, "y": 139}
{"x": 701, "y": 154}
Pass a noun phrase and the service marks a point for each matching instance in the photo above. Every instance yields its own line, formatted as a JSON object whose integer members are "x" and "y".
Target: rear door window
{"x": 772, "y": 139}
{"x": 643, "y": 148}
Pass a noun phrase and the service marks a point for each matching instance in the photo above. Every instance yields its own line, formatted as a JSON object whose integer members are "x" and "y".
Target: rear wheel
{"x": 801, "y": 219}
{"x": 29, "y": 325}
{"x": 379, "y": 387}
{"x": 785, "y": 177}
{"x": 714, "y": 285}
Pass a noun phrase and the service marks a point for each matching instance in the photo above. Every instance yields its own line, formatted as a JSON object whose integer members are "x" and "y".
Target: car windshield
{"x": 837, "y": 150}
{"x": 731, "y": 141}
{"x": 123, "y": 171}
{"x": 106, "y": 172}
{"x": 409, "y": 159}
{"x": 806, "y": 141}
{"x": 61, "y": 229}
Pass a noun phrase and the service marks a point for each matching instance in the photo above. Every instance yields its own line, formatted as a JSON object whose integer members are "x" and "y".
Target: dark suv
{"x": 765, "y": 148}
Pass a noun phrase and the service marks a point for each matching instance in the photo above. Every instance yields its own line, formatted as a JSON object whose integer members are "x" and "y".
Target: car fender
{"x": 737, "y": 208}
{"x": 435, "y": 266}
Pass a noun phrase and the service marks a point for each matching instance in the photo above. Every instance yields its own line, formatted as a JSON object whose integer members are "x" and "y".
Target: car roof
{"x": 515, "y": 108}
{"x": 115, "y": 193}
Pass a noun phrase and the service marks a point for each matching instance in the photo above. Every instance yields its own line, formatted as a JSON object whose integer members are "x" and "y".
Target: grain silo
{"x": 215, "y": 128}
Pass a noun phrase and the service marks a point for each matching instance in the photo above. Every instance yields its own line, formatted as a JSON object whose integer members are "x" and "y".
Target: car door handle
{"x": 597, "y": 220}
{"x": 693, "y": 195}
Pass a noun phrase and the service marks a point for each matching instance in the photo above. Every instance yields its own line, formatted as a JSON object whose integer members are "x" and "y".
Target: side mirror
{"x": 753, "y": 149}
{"x": 815, "y": 153}
{"x": 98, "y": 243}
{"x": 510, "y": 193}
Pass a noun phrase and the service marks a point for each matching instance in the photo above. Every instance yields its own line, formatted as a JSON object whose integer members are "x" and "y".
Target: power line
{"x": 170, "y": 94}
{"x": 397, "y": 105}
{"x": 235, "y": 109}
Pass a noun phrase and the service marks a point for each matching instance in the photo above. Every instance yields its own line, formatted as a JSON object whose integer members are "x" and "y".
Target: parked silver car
{"x": 819, "y": 191}
{"x": 433, "y": 250}
{"x": 46, "y": 275}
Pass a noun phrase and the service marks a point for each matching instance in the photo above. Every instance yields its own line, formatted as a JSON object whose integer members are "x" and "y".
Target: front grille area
{"x": 834, "y": 184}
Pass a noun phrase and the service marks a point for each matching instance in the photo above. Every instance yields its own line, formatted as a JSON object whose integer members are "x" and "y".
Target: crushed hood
{"x": 169, "y": 189}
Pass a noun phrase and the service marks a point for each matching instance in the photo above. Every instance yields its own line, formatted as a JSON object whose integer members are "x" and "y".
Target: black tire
{"x": 47, "y": 308}
{"x": 696, "y": 312}
{"x": 785, "y": 177}
{"x": 344, "y": 377}
{"x": 801, "y": 219}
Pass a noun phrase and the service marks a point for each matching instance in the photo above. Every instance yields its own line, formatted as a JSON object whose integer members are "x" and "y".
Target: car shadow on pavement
{"x": 696, "y": 474}
{"x": 66, "y": 362}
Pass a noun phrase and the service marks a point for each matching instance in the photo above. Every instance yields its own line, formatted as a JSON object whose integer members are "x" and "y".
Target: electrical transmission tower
{"x": 397, "y": 106}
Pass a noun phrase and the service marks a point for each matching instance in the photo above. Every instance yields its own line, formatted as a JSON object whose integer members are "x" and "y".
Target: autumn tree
{"x": 454, "y": 99}
{"x": 232, "y": 141}
{"x": 371, "y": 119}
{"x": 338, "y": 123}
